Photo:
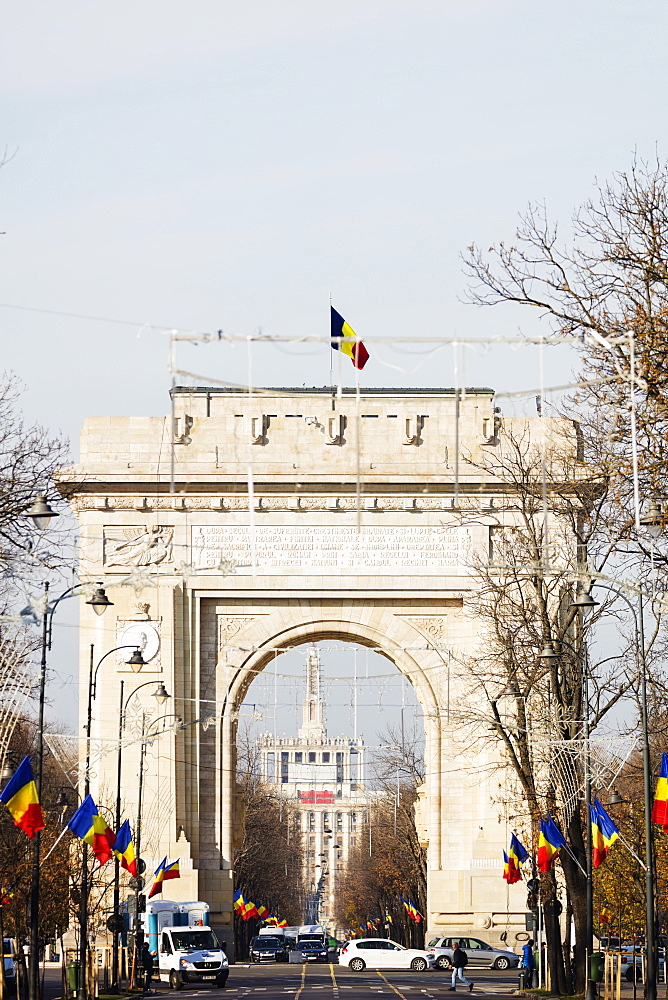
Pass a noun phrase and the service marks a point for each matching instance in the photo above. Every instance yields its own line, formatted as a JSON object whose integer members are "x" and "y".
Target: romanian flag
{"x": 411, "y": 910}
{"x": 20, "y": 797}
{"x": 93, "y": 830}
{"x": 605, "y": 916}
{"x": 603, "y": 833}
{"x": 162, "y": 874}
{"x": 272, "y": 920}
{"x": 124, "y": 849}
{"x": 250, "y": 910}
{"x": 660, "y": 807}
{"x": 262, "y": 911}
{"x": 282, "y": 923}
{"x": 516, "y": 855}
{"x": 512, "y": 861}
{"x": 344, "y": 339}
{"x": 239, "y": 902}
{"x": 550, "y": 842}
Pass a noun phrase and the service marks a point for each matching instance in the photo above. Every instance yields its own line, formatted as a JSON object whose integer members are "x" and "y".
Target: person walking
{"x": 528, "y": 963}
{"x": 459, "y": 962}
{"x": 147, "y": 965}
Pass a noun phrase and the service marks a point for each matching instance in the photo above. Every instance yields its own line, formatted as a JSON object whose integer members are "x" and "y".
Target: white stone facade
{"x": 251, "y": 523}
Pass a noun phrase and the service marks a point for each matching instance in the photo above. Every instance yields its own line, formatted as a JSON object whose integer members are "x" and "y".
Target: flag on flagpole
{"x": 550, "y": 842}
{"x": 89, "y": 826}
{"x": 124, "y": 849}
{"x": 605, "y": 916}
{"x": 163, "y": 873}
{"x": 660, "y": 807}
{"x": 516, "y": 855}
{"x": 603, "y": 833}
{"x": 20, "y": 797}
{"x": 344, "y": 339}
{"x": 238, "y": 902}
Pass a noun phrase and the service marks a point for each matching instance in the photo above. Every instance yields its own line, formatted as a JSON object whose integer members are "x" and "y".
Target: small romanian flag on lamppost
{"x": 603, "y": 833}
{"x": 660, "y": 807}
{"x": 20, "y": 797}
{"x": 238, "y": 902}
{"x": 550, "y": 842}
{"x": 93, "y": 829}
{"x": 124, "y": 849}
{"x": 345, "y": 339}
{"x": 162, "y": 874}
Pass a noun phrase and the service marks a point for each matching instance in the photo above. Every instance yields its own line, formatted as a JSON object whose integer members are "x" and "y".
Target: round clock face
{"x": 143, "y": 635}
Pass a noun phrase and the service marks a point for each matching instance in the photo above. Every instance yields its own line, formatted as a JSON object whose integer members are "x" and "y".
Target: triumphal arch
{"x": 243, "y": 524}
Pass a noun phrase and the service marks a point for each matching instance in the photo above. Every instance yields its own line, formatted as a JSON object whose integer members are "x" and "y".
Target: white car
{"x": 380, "y": 953}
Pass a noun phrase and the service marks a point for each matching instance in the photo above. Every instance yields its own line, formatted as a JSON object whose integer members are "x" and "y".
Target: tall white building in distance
{"x": 323, "y": 780}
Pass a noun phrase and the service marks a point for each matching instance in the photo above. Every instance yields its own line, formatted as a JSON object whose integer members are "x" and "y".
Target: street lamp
{"x": 650, "y": 521}
{"x": 653, "y": 520}
{"x": 161, "y": 695}
{"x": 549, "y": 654}
{"x": 100, "y": 603}
{"x": 41, "y": 513}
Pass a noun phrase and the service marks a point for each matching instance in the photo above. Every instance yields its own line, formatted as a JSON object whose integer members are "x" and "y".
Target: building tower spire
{"x": 313, "y": 711}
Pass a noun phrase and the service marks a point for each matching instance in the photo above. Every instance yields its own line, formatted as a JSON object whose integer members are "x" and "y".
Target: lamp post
{"x": 41, "y": 514}
{"x": 549, "y": 653}
{"x": 586, "y": 601}
{"x": 136, "y": 661}
{"x": 99, "y": 602}
{"x": 161, "y": 695}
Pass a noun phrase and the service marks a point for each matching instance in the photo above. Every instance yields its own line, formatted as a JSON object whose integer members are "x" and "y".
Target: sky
{"x": 225, "y": 166}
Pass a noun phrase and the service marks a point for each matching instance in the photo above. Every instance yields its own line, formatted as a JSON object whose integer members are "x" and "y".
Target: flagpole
{"x": 331, "y": 359}
{"x": 117, "y": 865}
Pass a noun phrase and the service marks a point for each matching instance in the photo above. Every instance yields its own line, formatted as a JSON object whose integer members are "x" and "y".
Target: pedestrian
{"x": 146, "y": 959}
{"x": 528, "y": 963}
{"x": 459, "y": 961}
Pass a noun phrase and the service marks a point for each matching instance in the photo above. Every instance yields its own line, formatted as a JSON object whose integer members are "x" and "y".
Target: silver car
{"x": 479, "y": 953}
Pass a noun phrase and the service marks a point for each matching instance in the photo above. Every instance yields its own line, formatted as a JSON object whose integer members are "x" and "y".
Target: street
{"x": 307, "y": 982}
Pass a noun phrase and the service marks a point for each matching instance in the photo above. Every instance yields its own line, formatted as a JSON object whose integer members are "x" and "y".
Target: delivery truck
{"x": 186, "y": 949}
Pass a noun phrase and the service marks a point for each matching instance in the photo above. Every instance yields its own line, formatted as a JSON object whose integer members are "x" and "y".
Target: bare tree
{"x": 540, "y": 529}
{"x": 29, "y": 460}
{"x": 268, "y": 860}
{"x": 608, "y": 284}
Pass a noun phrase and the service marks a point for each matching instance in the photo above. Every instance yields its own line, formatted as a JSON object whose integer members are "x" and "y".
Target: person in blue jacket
{"x": 528, "y": 963}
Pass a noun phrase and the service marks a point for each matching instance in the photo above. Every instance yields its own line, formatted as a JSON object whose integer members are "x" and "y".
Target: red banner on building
{"x": 316, "y": 798}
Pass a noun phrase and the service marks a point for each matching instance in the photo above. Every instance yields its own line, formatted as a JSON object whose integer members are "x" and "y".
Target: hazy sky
{"x": 222, "y": 165}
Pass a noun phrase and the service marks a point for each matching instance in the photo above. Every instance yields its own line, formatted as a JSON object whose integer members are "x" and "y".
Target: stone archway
{"x": 341, "y": 518}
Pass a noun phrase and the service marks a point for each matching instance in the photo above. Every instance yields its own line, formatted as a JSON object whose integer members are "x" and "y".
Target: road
{"x": 324, "y": 982}
{"x": 336, "y": 982}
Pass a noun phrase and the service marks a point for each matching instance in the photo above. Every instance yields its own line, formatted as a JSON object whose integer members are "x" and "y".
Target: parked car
{"x": 479, "y": 953}
{"x": 265, "y": 948}
{"x": 380, "y": 953}
{"x": 9, "y": 961}
{"x": 637, "y": 961}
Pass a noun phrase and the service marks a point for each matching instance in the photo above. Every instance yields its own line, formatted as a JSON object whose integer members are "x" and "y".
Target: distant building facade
{"x": 323, "y": 780}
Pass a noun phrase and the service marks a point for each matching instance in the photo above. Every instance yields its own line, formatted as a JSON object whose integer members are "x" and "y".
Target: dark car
{"x": 265, "y": 948}
{"x": 312, "y": 951}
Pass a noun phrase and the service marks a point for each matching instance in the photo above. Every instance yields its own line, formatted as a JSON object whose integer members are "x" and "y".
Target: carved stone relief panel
{"x": 229, "y": 626}
{"x": 137, "y": 546}
{"x": 434, "y": 628}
